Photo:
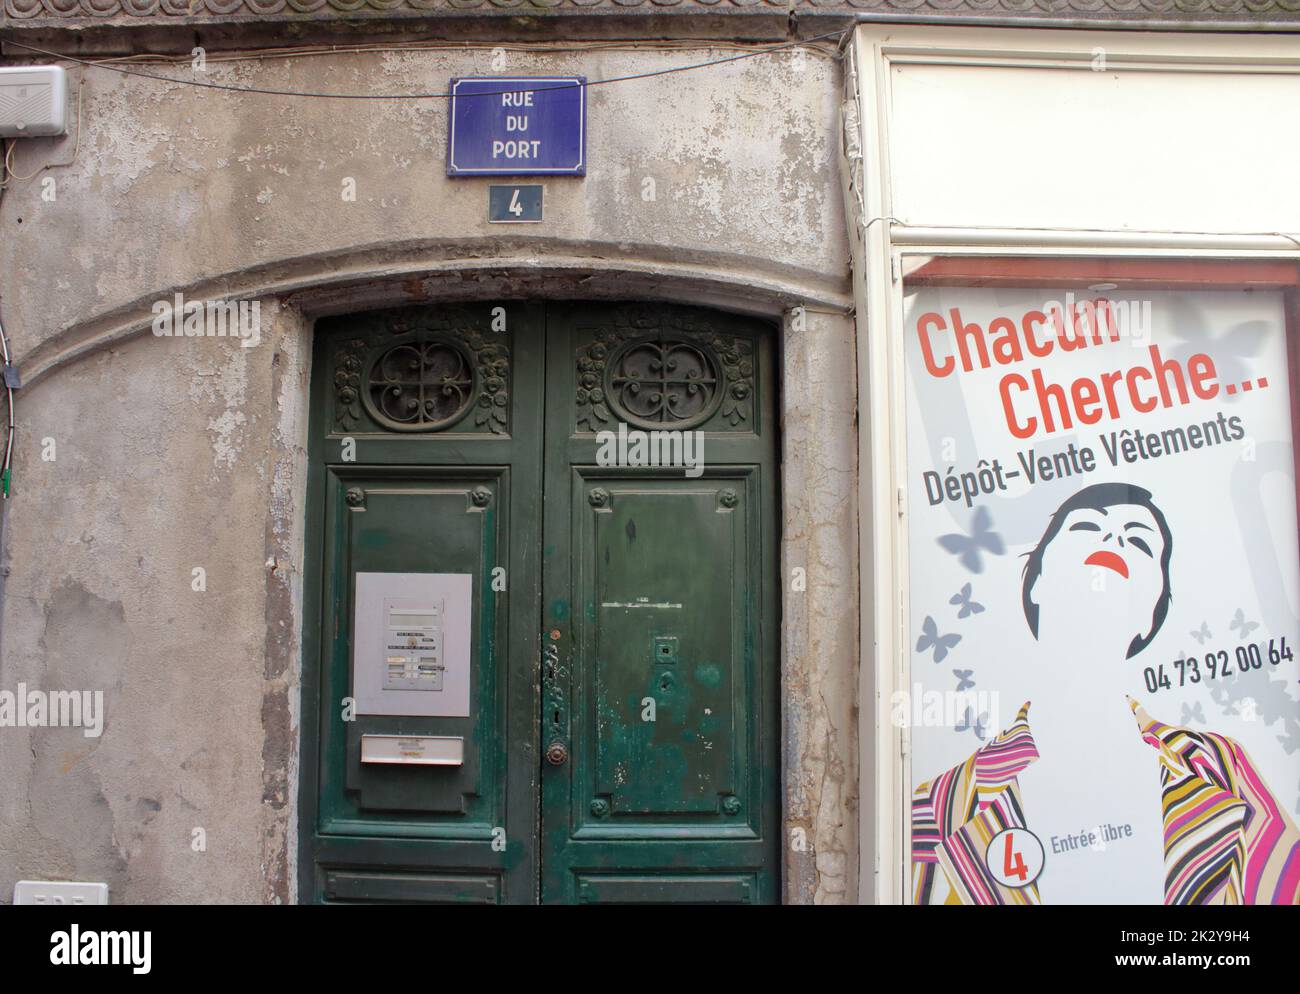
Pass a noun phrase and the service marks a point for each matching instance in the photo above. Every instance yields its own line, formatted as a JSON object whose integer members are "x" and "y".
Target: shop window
{"x": 1104, "y": 588}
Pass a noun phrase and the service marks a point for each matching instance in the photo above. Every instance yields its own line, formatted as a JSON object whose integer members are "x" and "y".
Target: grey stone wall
{"x": 820, "y": 622}
{"x": 718, "y": 186}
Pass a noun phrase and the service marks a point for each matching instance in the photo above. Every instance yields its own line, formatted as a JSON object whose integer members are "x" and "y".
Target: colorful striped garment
{"x": 1226, "y": 839}
{"x": 956, "y": 815}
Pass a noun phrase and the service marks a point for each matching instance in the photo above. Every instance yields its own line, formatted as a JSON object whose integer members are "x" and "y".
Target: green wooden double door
{"x": 590, "y": 639}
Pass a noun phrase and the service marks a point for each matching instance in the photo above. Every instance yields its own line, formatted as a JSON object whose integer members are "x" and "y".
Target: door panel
{"x": 665, "y": 635}
{"x": 624, "y": 614}
{"x": 660, "y": 611}
{"x": 668, "y": 888}
{"x": 415, "y": 468}
{"x": 411, "y": 522}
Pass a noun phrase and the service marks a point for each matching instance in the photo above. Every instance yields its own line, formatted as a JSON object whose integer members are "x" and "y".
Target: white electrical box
{"x": 411, "y": 644}
{"x": 59, "y": 892}
{"x": 33, "y": 101}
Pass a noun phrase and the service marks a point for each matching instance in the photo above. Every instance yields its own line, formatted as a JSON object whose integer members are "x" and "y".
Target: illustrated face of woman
{"x": 1103, "y": 570}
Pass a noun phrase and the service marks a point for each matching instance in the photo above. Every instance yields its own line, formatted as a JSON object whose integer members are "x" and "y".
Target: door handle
{"x": 557, "y": 754}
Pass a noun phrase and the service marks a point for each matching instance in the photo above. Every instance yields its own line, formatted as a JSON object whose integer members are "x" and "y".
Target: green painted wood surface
{"x": 662, "y": 594}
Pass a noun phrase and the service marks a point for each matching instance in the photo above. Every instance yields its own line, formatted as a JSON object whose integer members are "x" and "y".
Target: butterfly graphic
{"x": 978, "y": 725}
{"x": 930, "y": 637}
{"x": 982, "y": 538}
{"x": 964, "y": 682}
{"x": 1239, "y": 623}
{"x": 1193, "y": 713}
{"x": 968, "y": 606}
{"x": 1203, "y": 634}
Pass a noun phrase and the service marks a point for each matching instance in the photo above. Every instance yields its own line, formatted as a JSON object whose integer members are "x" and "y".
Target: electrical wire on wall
{"x": 109, "y": 65}
{"x": 6, "y": 466}
{"x": 11, "y": 379}
{"x": 7, "y": 174}
{"x": 9, "y": 370}
{"x": 10, "y": 376}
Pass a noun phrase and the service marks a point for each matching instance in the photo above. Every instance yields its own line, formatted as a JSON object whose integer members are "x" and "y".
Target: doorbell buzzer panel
{"x": 411, "y": 644}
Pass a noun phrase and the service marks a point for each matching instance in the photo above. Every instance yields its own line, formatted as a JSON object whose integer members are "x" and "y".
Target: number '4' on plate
{"x": 507, "y": 204}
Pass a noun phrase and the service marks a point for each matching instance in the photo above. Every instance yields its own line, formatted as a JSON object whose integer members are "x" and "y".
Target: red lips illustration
{"x": 1111, "y": 560}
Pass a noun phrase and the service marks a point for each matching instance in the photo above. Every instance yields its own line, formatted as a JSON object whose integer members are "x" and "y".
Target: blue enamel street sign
{"x": 514, "y": 125}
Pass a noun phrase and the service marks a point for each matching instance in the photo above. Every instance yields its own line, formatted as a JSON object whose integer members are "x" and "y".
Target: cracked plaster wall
{"x": 181, "y": 453}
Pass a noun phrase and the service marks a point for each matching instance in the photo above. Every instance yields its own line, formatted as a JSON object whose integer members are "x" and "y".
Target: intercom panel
{"x": 411, "y": 644}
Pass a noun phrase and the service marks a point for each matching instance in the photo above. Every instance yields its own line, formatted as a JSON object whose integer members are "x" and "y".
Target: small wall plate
{"x": 59, "y": 892}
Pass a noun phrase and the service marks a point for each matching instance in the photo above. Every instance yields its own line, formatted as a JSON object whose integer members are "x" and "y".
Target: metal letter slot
{"x": 413, "y": 750}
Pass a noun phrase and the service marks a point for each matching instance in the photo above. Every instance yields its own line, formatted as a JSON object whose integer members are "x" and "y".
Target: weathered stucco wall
{"x": 168, "y": 458}
{"x": 820, "y": 624}
{"x": 181, "y": 453}
{"x": 178, "y": 187}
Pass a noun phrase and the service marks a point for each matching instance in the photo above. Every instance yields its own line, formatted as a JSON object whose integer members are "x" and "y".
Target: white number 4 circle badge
{"x": 1015, "y": 857}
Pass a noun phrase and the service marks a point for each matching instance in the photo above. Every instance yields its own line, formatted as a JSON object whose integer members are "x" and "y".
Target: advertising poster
{"x": 1104, "y": 601}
